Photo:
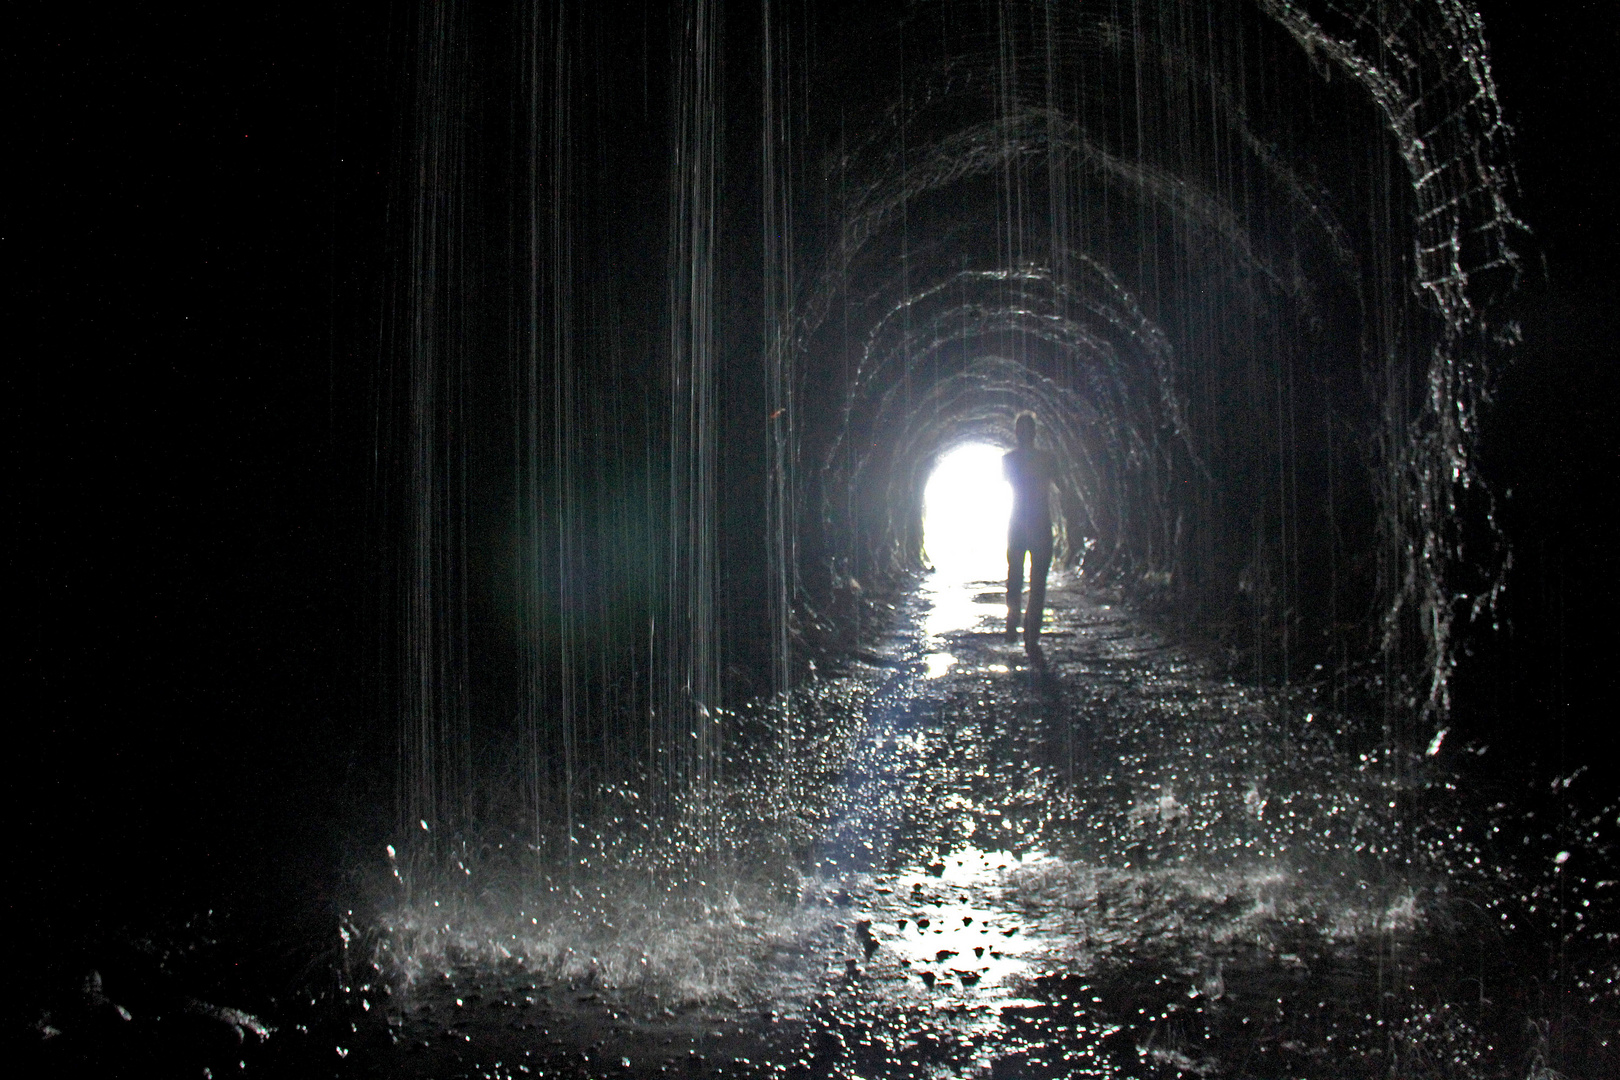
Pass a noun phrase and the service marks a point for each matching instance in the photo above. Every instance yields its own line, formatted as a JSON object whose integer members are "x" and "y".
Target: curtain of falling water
{"x": 546, "y": 455}
{"x": 777, "y": 231}
{"x": 1153, "y": 247}
{"x": 690, "y": 714}
{"x": 555, "y": 441}
{"x": 435, "y": 784}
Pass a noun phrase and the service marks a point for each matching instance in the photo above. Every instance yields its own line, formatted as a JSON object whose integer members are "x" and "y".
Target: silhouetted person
{"x": 1029, "y": 531}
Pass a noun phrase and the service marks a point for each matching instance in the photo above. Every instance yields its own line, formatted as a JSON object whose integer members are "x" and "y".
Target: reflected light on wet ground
{"x": 957, "y": 606}
{"x": 1120, "y": 866}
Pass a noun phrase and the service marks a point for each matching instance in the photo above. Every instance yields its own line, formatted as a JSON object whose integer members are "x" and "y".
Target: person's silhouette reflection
{"x": 1029, "y": 532}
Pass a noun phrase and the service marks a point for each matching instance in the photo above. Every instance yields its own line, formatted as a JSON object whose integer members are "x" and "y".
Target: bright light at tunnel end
{"x": 966, "y": 504}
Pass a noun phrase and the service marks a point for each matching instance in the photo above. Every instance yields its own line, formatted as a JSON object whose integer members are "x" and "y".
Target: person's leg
{"x": 1040, "y": 561}
{"x": 1015, "y": 584}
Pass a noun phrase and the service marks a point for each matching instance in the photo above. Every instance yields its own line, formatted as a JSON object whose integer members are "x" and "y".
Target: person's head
{"x": 1024, "y": 430}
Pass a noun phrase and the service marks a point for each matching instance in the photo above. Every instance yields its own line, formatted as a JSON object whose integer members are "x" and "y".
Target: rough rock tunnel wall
{"x": 1234, "y": 256}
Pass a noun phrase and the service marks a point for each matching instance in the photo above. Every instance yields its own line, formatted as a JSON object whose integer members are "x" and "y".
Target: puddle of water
{"x": 958, "y": 606}
{"x": 951, "y": 924}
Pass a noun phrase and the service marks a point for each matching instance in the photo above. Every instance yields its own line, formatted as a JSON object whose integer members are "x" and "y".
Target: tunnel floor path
{"x": 1123, "y": 864}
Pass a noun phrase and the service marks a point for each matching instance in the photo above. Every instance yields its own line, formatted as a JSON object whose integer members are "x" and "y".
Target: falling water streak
{"x": 777, "y": 232}
{"x": 690, "y": 702}
{"x": 434, "y": 758}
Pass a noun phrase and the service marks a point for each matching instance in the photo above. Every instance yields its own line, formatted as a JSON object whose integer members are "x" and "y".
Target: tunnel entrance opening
{"x": 966, "y": 504}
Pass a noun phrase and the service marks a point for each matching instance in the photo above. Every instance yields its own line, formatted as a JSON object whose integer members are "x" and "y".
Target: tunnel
{"x": 1257, "y": 361}
{"x": 566, "y": 663}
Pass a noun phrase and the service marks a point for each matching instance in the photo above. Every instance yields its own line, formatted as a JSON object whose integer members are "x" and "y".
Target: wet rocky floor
{"x": 1115, "y": 864}
{"x": 1119, "y": 863}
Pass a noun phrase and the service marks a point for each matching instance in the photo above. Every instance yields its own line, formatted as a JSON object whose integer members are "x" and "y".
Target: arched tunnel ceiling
{"x": 1227, "y": 255}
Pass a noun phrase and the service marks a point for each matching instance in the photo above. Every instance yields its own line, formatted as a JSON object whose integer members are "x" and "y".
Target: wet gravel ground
{"x": 1117, "y": 863}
